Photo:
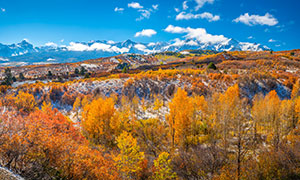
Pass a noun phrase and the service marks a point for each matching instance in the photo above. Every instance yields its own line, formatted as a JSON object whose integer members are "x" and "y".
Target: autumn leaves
{"x": 222, "y": 136}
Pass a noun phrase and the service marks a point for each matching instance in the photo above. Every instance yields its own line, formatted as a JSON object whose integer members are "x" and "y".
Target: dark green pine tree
{"x": 21, "y": 76}
{"x": 8, "y": 77}
{"x": 82, "y": 71}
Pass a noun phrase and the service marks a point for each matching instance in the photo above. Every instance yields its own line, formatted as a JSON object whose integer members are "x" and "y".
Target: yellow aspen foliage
{"x": 258, "y": 113}
{"x": 268, "y": 114}
{"x": 25, "y": 102}
{"x": 180, "y": 117}
{"x": 229, "y": 112}
{"x": 97, "y": 117}
{"x": 152, "y": 135}
{"x": 130, "y": 159}
{"x": 46, "y": 107}
{"x": 124, "y": 117}
{"x": 162, "y": 168}
{"x": 158, "y": 104}
{"x": 297, "y": 108}
{"x": 287, "y": 116}
{"x": 272, "y": 120}
{"x": 77, "y": 104}
{"x": 295, "y": 92}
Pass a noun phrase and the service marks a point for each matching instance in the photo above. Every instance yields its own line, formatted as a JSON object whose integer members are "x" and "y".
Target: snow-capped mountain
{"x": 77, "y": 51}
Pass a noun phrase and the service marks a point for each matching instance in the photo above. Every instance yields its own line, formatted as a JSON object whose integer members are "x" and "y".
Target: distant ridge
{"x": 26, "y": 53}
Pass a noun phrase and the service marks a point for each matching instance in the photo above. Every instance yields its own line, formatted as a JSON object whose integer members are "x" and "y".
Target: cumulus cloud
{"x": 95, "y": 47}
{"x": 146, "y": 32}
{"x": 175, "y": 29}
{"x": 272, "y": 40}
{"x": 140, "y": 47}
{"x": 117, "y": 9}
{"x": 196, "y": 33}
{"x": 52, "y": 44}
{"x": 3, "y": 10}
{"x": 251, "y": 20}
{"x": 206, "y": 15}
{"x": 135, "y": 5}
{"x": 176, "y": 9}
{"x": 200, "y": 3}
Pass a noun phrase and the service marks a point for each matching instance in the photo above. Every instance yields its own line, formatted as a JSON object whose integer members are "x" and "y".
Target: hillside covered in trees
{"x": 192, "y": 115}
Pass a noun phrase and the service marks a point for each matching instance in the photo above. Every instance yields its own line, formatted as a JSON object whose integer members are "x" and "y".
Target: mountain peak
{"x": 26, "y": 52}
{"x": 24, "y": 41}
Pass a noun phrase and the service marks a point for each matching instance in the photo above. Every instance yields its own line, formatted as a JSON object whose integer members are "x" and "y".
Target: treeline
{"x": 223, "y": 136}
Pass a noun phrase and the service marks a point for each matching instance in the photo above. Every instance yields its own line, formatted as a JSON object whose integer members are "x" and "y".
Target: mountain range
{"x": 24, "y": 53}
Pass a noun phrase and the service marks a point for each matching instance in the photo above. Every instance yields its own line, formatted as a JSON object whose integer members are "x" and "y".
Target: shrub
{"x": 211, "y": 66}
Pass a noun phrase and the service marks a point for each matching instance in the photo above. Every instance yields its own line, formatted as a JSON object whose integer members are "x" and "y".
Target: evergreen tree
{"x": 49, "y": 74}
{"x": 125, "y": 69}
{"x": 82, "y": 71}
{"x": 21, "y": 76}
{"x": 211, "y": 66}
{"x": 76, "y": 71}
{"x": 14, "y": 79}
{"x": 8, "y": 79}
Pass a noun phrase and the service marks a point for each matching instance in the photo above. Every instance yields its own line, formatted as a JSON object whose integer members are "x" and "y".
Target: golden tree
{"x": 180, "y": 118}
{"x": 97, "y": 117}
{"x": 162, "y": 168}
{"x": 130, "y": 159}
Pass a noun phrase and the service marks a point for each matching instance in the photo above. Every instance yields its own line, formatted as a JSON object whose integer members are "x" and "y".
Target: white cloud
{"x": 184, "y": 5}
{"x": 200, "y": 3}
{"x": 140, "y": 47}
{"x": 100, "y": 46}
{"x": 145, "y": 14}
{"x": 51, "y": 59}
{"x": 77, "y": 47}
{"x": 62, "y": 40}
{"x": 111, "y": 42}
{"x": 95, "y": 47}
{"x": 178, "y": 42}
{"x": 151, "y": 44}
{"x": 251, "y": 20}
{"x": 250, "y": 37}
{"x": 135, "y": 5}
{"x": 271, "y": 40}
{"x": 206, "y": 15}
{"x": 3, "y": 59}
{"x": 146, "y": 32}
{"x": 176, "y": 9}
{"x": 196, "y": 33}
{"x": 52, "y": 44}
{"x": 175, "y": 29}
{"x": 3, "y": 10}
{"x": 117, "y": 9}
{"x": 155, "y": 6}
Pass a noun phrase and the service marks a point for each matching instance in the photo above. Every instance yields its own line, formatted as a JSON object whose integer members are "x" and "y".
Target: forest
{"x": 206, "y": 125}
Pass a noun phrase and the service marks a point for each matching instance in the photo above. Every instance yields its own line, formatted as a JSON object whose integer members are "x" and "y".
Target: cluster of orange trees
{"x": 222, "y": 136}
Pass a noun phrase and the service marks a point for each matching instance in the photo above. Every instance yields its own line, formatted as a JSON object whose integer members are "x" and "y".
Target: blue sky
{"x": 274, "y": 23}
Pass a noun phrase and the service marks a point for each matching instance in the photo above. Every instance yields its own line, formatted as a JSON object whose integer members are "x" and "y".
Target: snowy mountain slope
{"x": 77, "y": 51}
